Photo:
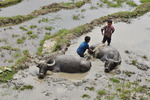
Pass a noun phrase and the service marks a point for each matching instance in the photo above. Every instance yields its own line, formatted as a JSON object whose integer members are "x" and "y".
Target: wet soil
{"x": 131, "y": 40}
{"x": 60, "y": 20}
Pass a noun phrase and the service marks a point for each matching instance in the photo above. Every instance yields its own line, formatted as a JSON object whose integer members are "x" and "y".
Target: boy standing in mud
{"x": 83, "y": 46}
{"x": 107, "y": 32}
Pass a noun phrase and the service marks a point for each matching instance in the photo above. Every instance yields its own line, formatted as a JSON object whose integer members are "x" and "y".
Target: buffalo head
{"x": 43, "y": 67}
{"x": 110, "y": 64}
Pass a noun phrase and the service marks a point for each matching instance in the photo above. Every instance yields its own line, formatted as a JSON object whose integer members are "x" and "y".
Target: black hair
{"x": 109, "y": 21}
{"x": 87, "y": 38}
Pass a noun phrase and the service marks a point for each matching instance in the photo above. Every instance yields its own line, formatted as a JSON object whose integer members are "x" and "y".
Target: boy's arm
{"x": 90, "y": 50}
{"x": 102, "y": 29}
{"x": 112, "y": 30}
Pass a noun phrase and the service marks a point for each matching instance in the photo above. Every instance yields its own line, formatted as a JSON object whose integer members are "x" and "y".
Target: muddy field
{"x": 129, "y": 81}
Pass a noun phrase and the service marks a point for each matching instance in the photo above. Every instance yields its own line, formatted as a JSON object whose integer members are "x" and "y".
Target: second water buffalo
{"x": 107, "y": 54}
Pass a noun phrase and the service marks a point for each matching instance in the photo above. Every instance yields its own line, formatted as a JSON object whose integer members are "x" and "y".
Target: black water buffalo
{"x": 106, "y": 54}
{"x": 64, "y": 63}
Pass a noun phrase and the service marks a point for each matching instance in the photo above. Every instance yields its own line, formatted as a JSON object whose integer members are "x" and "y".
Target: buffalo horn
{"x": 117, "y": 61}
{"x": 52, "y": 63}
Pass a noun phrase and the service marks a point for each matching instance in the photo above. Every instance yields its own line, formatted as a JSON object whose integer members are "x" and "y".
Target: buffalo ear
{"x": 39, "y": 66}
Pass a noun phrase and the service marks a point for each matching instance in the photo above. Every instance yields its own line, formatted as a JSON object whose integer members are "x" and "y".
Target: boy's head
{"x": 109, "y": 22}
{"x": 87, "y": 39}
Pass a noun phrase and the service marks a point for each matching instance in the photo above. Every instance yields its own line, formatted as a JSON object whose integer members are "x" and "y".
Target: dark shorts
{"x": 80, "y": 54}
{"x": 108, "y": 39}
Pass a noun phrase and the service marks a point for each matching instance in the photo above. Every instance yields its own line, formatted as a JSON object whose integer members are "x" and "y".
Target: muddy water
{"x": 133, "y": 37}
{"x": 26, "y": 7}
{"x": 59, "y": 20}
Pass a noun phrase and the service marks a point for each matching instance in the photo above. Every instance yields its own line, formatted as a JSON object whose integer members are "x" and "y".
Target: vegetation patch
{"x": 86, "y": 96}
{"x": 131, "y": 3}
{"x": 78, "y": 31}
{"x": 114, "y": 80}
{"x": 4, "y": 21}
{"x": 6, "y": 3}
{"x": 101, "y": 92}
{"x": 23, "y": 28}
{"x": 48, "y": 28}
{"x": 63, "y": 37}
{"x": 25, "y": 87}
{"x": 80, "y": 3}
{"x": 33, "y": 26}
{"x": 26, "y": 52}
{"x": 33, "y": 36}
{"x": 9, "y": 48}
{"x": 118, "y": 3}
{"x": 6, "y": 76}
{"x": 29, "y": 32}
{"x": 144, "y": 1}
{"x": 21, "y": 40}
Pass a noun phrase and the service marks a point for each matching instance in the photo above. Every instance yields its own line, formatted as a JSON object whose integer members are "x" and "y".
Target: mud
{"x": 127, "y": 81}
{"x": 63, "y": 86}
{"x": 57, "y": 21}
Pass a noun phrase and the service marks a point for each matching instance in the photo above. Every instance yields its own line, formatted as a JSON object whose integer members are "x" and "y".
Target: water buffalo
{"x": 106, "y": 54}
{"x": 64, "y": 63}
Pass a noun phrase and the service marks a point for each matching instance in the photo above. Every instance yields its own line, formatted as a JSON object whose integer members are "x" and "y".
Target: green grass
{"x": 86, "y": 96}
{"x": 39, "y": 52}
{"x": 10, "y": 60}
{"x": 79, "y": 3}
{"x": 131, "y": 3}
{"x": 23, "y": 28}
{"x": 21, "y": 40}
{"x": 101, "y": 92}
{"x": 20, "y": 60}
{"x": 33, "y": 36}
{"x": 90, "y": 88}
{"x": 114, "y": 80}
{"x": 144, "y": 1}
{"x": 145, "y": 57}
{"x": 9, "y": 48}
{"x": 25, "y": 87}
{"x": 6, "y": 3}
{"x": 6, "y": 76}
{"x": 134, "y": 62}
{"x": 14, "y": 35}
{"x": 83, "y": 10}
{"x": 29, "y": 32}
{"x": 67, "y": 4}
{"x": 26, "y": 52}
{"x": 48, "y": 28}
{"x": 33, "y": 26}
{"x": 118, "y": 3}
{"x": 76, "y": 17}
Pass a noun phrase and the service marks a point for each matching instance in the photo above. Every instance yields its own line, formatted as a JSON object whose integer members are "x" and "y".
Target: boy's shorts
{"x": 81, "y": 55}
{"x": 108, "y": 39}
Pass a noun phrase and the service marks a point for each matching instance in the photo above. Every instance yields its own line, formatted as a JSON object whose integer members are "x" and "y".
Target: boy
{"x": 107, "y": 32}
{"x": 83, "y": 46}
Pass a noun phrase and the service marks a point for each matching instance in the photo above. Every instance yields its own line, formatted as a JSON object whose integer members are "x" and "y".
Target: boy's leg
{"x": 108, "y": 41}
{"x": 104, "y": 39}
